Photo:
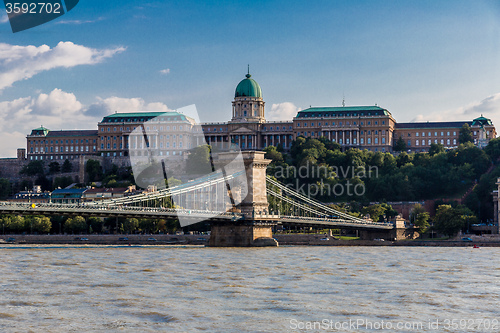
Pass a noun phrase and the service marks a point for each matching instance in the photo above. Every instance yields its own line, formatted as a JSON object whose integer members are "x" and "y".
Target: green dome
{"x": 248, "y": 88}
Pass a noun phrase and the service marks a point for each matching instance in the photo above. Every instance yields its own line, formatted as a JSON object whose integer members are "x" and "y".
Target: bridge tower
{"x": 256, "y": 228}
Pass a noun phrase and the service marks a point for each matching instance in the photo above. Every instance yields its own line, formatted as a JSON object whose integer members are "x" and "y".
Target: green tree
{"x": 5, "y": 188}
{"x": 96, "y": 224}
{"x": 436, "y": 148}
{"x": 198, "y": 161}
{"x": 465, "y": 134}
{"x": 17, "y": 224}
{"x": 399, "y": 144}
{"x": 273, "y": 154}
{"x": 75, "y": 225}
{"x": 62, "y": 182}
{"x": 420, "y": 218}
{"x": 5, "y": 223}
{"x": 493, "y": 149}
{"x": 448, "y": 220}
{"x": 375, "y": 211}
{"x": 54, "y": 167}
{"x": 39, "y": 224}
{"x": 67, "y": 166}
{"x": 130, "y": 225}
{"x": 93, "y": 169}
{"x": 33, "y": 168}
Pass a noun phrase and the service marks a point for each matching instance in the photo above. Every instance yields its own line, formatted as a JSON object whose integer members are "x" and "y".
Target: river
{"x": 284, "y": 289}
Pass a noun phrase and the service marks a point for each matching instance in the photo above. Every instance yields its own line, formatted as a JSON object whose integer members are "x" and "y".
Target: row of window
{"x": 54, "y": 157}
{"x": 429, "y": 142}
{"x": 340, "y": 123}
{"x": 167, "y": 128}
{"x": 62, "y": 149}
{"x": 46, "y": 142}
{"x": 271, "y": 128}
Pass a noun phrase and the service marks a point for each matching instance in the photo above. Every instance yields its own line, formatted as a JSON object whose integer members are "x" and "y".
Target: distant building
{"x": 100, "y": 194}
{"x": 68, "y": 196}
{"x": 419, "y": 136}
{"x": 44, "y": 144}
{"x": 34, "y": 196}
{"x": 171, "y": 133}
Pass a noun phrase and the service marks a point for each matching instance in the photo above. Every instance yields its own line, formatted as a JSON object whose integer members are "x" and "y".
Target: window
{"x": 369, "y": 141}
{"x": 454, "y": 133}
{"x": 376, "y": 132}
{"x": 376, "y": 140}
{"x": 454, "y": 141}
{"x": 435, "y": 133}
{"x": 423, "y": 133}
{"x": 361, "y": 141}
{"x": 448, "y": 141}
{"x": 383, "y": 140}
{"x": 409, "y": 143}
{"x": 416, "y": 134}
{"x": 442, "y": 133}
{"x": 448, "y": 133}
{"x": 416, "y": 142}
{"x": 442, "y": 141}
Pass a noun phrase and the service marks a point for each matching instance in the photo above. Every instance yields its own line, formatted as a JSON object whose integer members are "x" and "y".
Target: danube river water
{"x": 285, "y": 289}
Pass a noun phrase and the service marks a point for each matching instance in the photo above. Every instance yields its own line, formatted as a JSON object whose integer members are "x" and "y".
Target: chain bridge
{"x": 267, "y": 204}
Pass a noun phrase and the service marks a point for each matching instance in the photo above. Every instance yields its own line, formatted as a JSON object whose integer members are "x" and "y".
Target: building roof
{"x": 69, "y": 191}
{"x": 343, "y": 111}
{"x": 248, "y": 88}
{"x": 40, "y": 131}
{"x": 481, "y": 121}
{"x": 72, "y": 133}
{"x": 444, "y": 124}
{"x": 106, "y": 190}
{"x": 143, "y": 116}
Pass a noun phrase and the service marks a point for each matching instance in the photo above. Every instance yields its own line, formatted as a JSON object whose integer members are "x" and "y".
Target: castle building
{"x": 172, "y": 133}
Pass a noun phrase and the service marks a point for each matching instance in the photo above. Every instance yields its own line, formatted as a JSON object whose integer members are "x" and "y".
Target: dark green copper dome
{"x": 248, "y": 88}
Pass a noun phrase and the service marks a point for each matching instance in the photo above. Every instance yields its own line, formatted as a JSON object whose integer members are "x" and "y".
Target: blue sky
{"x": 422, "y": 60}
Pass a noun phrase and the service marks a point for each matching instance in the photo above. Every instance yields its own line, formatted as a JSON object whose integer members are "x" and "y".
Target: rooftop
{"x": 343, "y": 111}
{"x": 445, "y": 124}
{"x": 143, "y": 116}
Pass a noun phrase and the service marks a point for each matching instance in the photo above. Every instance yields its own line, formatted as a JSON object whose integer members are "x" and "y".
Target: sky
{"x": 421, "y": 60}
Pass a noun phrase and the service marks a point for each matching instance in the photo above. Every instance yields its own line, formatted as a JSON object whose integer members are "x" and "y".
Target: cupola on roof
{"x": 248, "y": 88}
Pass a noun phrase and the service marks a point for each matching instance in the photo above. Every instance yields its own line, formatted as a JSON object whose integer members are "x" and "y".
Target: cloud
{"x": 489, "y": 107}
{"x": 23, "y": 62}
{"x": 4, "y": 18}
{"x": 282, "y": 111}
{"x": 111, "y": 104}
{"x": 165, "y": 71}
{"x": 58, "y": 110}
{"x": 78, "y": 22}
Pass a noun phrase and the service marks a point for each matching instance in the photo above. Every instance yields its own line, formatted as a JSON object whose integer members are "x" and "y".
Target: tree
{"x": 375, "y": 211}
{"x": 75, "y": 225}
{"x": 436, "y": 148}
{"x": 400, "y": 144}
{"x": 130, "y": 225}
{"x": 448, "y": 220}
{"x": 465, "y": 134}
{"x": 17, "y": 224}
{"x": 273, "y": 154}
{"x": 67, "y": 167}
{"x": 420, "y": 218}
{"x": 33, "y": 168}
{"x": 493, "y": 149}
{"x": 96, "y": 224}
{"x": 198, "y": 161}
{"x": 39, "y": 224}
{"x": 54, "y": 167}
{"x": 4, "y": 188}
{"x": 93, "y": 169}
{"x": 62, "y": 182}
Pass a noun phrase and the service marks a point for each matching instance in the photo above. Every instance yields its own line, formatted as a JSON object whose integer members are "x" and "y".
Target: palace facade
{"x": 172, "y": 133}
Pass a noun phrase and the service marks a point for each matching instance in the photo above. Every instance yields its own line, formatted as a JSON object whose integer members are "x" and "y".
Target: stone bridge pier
{"x": 255, "y": 229}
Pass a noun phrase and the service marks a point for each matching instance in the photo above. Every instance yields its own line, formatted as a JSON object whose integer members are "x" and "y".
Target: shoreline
{"x": 202, "y": 240}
